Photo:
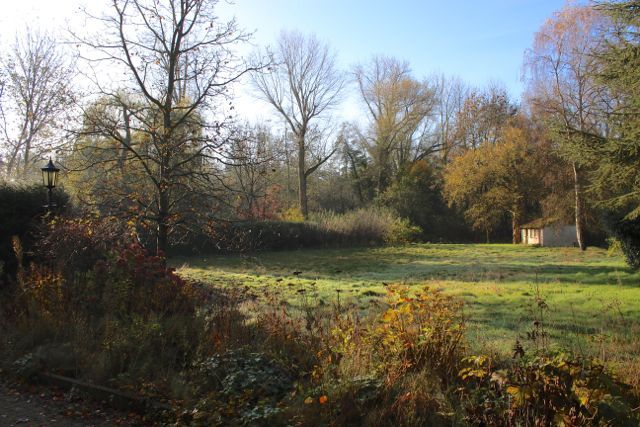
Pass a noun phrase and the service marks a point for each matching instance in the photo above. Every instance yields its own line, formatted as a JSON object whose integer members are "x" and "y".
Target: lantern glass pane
{"x": 49, "y": 178}
{"x": 50, "y": 175}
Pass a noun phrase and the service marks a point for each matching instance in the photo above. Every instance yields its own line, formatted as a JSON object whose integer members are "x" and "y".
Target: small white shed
{"x": 548, "y": 232}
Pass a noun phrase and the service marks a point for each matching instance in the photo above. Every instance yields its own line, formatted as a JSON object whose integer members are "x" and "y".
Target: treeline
{"x": 141, "y": 117}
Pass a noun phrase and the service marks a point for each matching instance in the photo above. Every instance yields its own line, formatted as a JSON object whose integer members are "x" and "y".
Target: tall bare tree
{"x": 303, "y": 86}
{"x": 164, "y": 67}
{"x": 560, "y": 69}
{"x": 398, "y": 106}
{"x": 450, "y": 96}
{"x": 484, "y": 112}
{"x": 36, "y": 94}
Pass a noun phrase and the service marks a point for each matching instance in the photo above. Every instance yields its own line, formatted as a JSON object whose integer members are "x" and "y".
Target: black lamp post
{"x": 49, "y": 178}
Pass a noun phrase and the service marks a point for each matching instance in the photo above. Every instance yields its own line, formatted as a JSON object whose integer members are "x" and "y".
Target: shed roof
{"x": 540, "y": 222}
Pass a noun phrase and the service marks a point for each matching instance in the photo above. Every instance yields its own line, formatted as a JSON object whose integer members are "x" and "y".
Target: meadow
{"x": 587, "y": 302}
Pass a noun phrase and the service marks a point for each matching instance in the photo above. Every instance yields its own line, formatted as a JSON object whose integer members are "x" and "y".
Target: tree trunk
{"x": 515, "y": 228}
{"x": 578, "y": 208}
{"x": 302, "y": 179}
{"x": 27, "y": 153}
{"x": 122, "y": 155}
{"x": 10, "y": 164}
{"x": 383, "y": 171}
{"x": 163, "y": 226}
{"x": 516, "y": 215}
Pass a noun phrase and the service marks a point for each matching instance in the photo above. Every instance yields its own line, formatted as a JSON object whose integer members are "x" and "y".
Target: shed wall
{"x": 559, "y": 235}
{"x": 530, "y": 236}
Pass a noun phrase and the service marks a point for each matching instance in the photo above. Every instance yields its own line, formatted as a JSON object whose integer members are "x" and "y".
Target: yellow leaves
{"x": 317, "y": 372}
{"x": 517, "y": 394}
{"x": 389, "y": 316}
{"x": 468, "y": 373}
{"x": 583, "y": 395}
{"x": 308, "y": 400}
{"x": 520, "y": 394}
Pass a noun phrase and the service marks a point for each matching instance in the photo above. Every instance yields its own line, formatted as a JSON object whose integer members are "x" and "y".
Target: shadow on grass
{"x": 414, "y": 270}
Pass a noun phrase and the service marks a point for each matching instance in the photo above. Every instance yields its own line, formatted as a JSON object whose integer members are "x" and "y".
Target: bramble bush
{"x": 559, "y": 389}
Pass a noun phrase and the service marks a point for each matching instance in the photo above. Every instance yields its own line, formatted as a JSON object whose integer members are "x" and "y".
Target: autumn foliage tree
{"x": 481, "y": 117}
{"x": 496, "y": 179}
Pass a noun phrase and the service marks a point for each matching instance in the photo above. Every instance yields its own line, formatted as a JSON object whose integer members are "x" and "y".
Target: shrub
{"x": 237, "y": 387}
{"x": 367, "y": 226}
{"x": 389, "y": 369}
{"x": 628, "y": 233}
{"x": 614, "y": 247}
{"x": 544, "y": 390}
{"x": 21, "y": 212}
{"x": 121, "y": 311}
{"x": 374, "y": 226}
{"x": 249, "y": 236}
{"x": 292, "y": 214}
{"x": 408, "y": 366}
{"x": 74, "y": 245}
{"x": 423, "y": 329}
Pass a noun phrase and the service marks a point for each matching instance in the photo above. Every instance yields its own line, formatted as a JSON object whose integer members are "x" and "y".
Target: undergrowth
{"x": 110, "y": 313}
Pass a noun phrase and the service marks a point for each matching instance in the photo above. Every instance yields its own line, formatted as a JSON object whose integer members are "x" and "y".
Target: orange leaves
{"x": 321, "y": 400}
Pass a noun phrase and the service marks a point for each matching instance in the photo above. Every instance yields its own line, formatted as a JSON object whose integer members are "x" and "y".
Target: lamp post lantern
{"x": 49, "y": 178}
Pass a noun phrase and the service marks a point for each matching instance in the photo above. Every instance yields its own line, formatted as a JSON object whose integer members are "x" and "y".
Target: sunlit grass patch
{"x": 587, "y": 293}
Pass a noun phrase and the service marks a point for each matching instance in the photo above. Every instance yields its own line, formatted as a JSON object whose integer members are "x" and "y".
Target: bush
{"x": 74, "y": 245}
{"x": 408, "y": 366}
{"x": 237, "y": 387}
{"x": 251, "y": 236}
{"x": 122, "y": 313}
{"x": 544, "y": 390}
{"x": 374, "y": 226}
{"x": 627, "y": 232}
{"x": 21, "y": 212}
{"x": 367, "y": 226}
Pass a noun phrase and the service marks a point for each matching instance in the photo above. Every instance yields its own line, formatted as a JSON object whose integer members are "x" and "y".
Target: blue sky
{"x": 479, "y": 41}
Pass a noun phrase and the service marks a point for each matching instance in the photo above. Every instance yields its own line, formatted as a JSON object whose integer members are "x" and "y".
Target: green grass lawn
{"x": 593, "y": 300}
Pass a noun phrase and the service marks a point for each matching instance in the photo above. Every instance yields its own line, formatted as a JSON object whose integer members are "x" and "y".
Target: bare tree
{"x": 399, "y": 107}
{"x": 253, "y": 177}
{"x": 36, "y": 94}
{"x": 483, "y": 114}
{"x": 561, "y": 87}
{"x": 165, "y": 67}
{"x": 303, "y": 85}
{"x": 450, "y": 96}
